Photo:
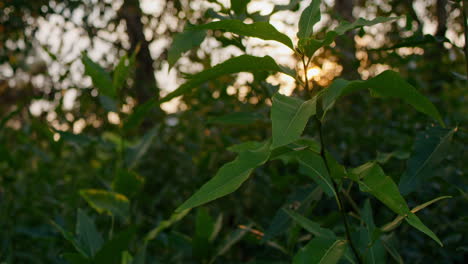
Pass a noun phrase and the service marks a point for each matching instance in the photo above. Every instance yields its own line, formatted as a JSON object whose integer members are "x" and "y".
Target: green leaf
{"x": 239, "y": 6}
{"x": 310, "y": 226}
{"x": 87, "y": 234}
{"x": 70, "y": 238}
{"x": 184, "y": 41}
{"x": 374, "y": 251}
{"x": 243, "y": 63}
{"x": 396, "y": 222}
{"x": 321, "y": 250}
{"x": 388, "y": 84}
{"x": 230, "y": 177}
{"x": 314, "y": 167}
{"x": 175, "y": 217}
{"x": 135, "y": 153}
{"x": 389, "y": 244}
{"x": 107, "y": 202}
{"x": 112, "y": 250}
{"x": 331, "y": 93}
{"x": 309, "y": 17}
{"x": 237, "y": 118}
{"x": 414, "y": 221}
{"x": 372, "y": 179}
{"x": 127, "y": 183}
{"x": 301, "y": 200}
{"x": 101, "y": 79}
{"x": 310, "y": 45}
{"x": 262, "y": 30}
{"x": 122, "y": 70}
{"x": 289, "y": 116}
{"x": 430, "y": 148}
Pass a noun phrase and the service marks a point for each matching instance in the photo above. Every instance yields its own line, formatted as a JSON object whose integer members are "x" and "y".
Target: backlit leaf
{"x": 101, "y": 79}
{"x": 243, "y": 63}
{"x": 289, "y": 116}
{"x": 262, "y": 30}
{"x": 309, "y": 17}
{"x": 230, "y": 177}
{"x": 184, "y": 41}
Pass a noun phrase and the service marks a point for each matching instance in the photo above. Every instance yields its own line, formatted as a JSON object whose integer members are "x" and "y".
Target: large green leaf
{"x": 184, "y": 41}
{"x": 289, "y": 117}
{"x": 101, "y": 79}
{"x": 314, "y": 166}
{"x": 309, "y": 17}
{"x": 430, "y": 148}
{"x": 239, "y": 6}
{"x": 107, "y": 202}
{"x": 310, "y": 226}
{"x": 87, "y": 234}
{"x": 372, "y": 179}
{"x": 262, "y": 30}
{"x": 388, "y": 84}
{"x": 243, "y": 63}
{"x": 310, "y": 45}
{"x": 230, "y": 177}
{"x": 321, "y": 251}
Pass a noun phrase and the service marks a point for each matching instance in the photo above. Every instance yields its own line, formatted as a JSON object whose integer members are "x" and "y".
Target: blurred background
{"x": 56, "y": 137}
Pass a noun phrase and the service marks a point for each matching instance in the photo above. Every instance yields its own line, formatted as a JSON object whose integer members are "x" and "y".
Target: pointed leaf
{"x": 70, "y": 238}
{"x": 229, "y": 178}
{"x": 262, "y": 30}
{"x": 184, "y": 41}
{"x": 107, "y": 202}
{"x": 243, "y": 63}
{"x": 310, "y": 45}
{"x": 374, "y": 251}
{"x": 372, "y": 179}
{"x": 321, "y": 251}
{"x": 310, "y": 226}
{"x": 135, "y": 153}
{"x": 101, "y": 79}
{"x": 309, "y": 17}
{"x": 388, "y": 84}
{"x": 289, "y": 116}
{"x": 430, "y": 148}
{"x": 414, "y": 221}
{"x": 87, "y": 233}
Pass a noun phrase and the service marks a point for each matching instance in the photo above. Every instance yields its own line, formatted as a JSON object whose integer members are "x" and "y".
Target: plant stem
{"x": 464, "y": 10}
{"x": 338, "y": 195}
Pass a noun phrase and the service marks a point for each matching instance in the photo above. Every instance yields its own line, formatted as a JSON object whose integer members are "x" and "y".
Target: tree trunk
{"x": 345, "y": 44}
{"x": 145, "y": 82}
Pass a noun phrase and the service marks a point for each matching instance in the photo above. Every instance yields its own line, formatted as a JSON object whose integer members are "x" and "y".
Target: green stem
{"x": 338, "y": 195}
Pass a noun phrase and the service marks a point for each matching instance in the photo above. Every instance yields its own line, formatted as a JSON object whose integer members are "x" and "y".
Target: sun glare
{"x": 313, "y": 72}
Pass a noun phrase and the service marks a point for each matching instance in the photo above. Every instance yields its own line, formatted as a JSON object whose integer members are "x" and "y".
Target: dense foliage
{"x": 365, "y": 166}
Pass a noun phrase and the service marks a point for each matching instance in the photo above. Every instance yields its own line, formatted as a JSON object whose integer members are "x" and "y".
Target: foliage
{"x": 327, "y": 174}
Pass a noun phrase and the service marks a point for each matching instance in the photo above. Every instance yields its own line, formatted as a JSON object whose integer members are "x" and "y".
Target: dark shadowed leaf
{"x": 135, "y": 153}
{"x": 310, "y": 226}
{"x": 430, "y": 148}
{"x": 321, "y": 251}
{"x": 127, "y": 183}
{"x": 87, "y": 234}
{"x": 314, "y": 166}
{"x": 112, "y": 250}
